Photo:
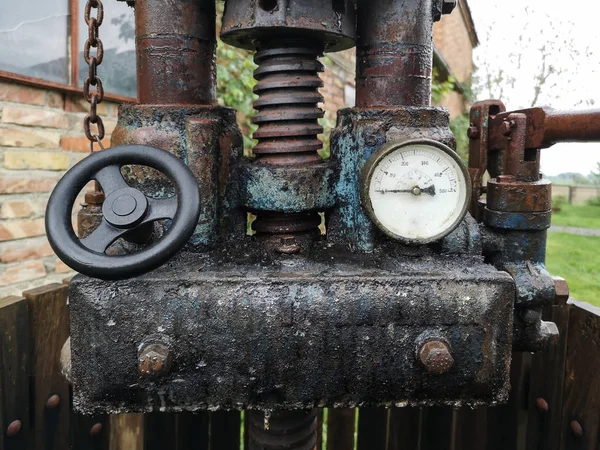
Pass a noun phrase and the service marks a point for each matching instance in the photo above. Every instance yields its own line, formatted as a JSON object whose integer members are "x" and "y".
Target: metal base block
{"x": 296, "y": 333}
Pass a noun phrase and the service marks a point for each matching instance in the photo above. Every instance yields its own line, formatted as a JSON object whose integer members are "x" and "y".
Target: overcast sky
{"x": 571, "y": 31}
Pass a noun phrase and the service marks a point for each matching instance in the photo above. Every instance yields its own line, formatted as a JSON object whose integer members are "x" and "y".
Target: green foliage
{"x": 580, "y": 216}
{"x": 559, "y": 201}
{"x": 235, "y": 69}
{"x": 441, "y": 87}
{"x": 576, "y": 259}
{"x": 595, "y": 202}
{"x": 459, "y": 127}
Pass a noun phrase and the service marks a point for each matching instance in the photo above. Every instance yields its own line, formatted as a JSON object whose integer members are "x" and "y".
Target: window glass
{"x": 117, "y": 33}
{"x": 33, "y": 38}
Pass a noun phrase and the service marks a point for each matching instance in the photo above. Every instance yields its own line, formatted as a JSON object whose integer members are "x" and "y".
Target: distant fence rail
{"x": 576, "y": 195}
{"x": 554, "y": 404}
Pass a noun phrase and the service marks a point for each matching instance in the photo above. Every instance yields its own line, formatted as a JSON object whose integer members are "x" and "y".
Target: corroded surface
{"x": 294, "y": 332}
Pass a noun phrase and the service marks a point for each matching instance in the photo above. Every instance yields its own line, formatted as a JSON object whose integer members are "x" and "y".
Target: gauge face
{"x": 416, "y": 191}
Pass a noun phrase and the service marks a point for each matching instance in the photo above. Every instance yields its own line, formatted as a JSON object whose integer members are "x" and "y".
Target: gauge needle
{"x": 414, "y": 191}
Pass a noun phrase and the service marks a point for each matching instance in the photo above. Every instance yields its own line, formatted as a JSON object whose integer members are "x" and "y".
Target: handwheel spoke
{"x": 161, "y": 208}
{"x": 102, "y": 237}
{"x": 110, "y": 179}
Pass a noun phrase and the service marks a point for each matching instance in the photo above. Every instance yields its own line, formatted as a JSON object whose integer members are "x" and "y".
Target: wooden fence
{"x": 555, "y": 401}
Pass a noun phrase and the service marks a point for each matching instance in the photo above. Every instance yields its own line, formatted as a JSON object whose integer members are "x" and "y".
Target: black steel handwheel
{"x": 124, "y": 210}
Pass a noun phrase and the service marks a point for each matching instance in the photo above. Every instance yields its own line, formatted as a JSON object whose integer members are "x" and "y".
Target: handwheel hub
{"x": 125, "y": 207}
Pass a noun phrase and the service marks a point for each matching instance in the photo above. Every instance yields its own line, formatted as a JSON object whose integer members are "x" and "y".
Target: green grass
{"x": 582, "y": 216}
{"x": 577, "y": 260}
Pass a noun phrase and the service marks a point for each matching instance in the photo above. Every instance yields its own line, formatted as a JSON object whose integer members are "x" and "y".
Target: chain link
{"x": 96, "y": 95}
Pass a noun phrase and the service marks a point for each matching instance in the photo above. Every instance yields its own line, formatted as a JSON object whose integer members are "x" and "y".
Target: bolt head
{"x": 507, "y": 127}
{"x": 448, "y": 6}
{"x": 96, "y": 429}
{"x": 436, "y": 357}
{"x": 94, "y": 198}
{"x": 473, "y": 132}
{"x": 154, "y": 360}
{"x": 576, "y": 428}
{"x": 561, "y": 291}
{"x": 14, "y": 428}
{"x": 541, "y": 405}
{"x": 53, "y": 402}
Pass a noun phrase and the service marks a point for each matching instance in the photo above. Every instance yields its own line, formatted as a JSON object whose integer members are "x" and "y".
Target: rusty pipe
{"x": 394, "y": 53}
{"x": 546, "y": 127}
{"x": 571, "y": 126}
{"x": 175, "y": 50}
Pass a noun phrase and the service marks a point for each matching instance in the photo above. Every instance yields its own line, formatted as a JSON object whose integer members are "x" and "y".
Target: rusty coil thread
{"x": 289, "y": 430}
{"x": 287, "y": 116}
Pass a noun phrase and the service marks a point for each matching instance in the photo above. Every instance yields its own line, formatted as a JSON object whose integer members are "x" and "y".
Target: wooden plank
{"x": 580, "y": 425}
{"x": 320, "y": 429}
{"x": 372, "y": 428}
{"x": 340, "y": 428}
{"x": 225, "y": 430}
{"x": 49, "y": 329}
{"x": 470, "y": 428}
{"x": 90, "y": 433}
{"x": 127, "y": 432}
{"x": 404, "y": 428}
{"x": 14, "y": 371}
{"x": 436, "y": 428}
{"x": 507, "y": 423}
{"x": 546, "y": 387}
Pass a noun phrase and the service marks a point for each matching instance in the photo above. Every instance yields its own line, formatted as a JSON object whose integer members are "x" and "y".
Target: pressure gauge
{"x": 415, "y": 191}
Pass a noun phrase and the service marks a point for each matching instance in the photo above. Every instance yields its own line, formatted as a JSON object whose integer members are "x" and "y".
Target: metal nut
{"x": 561, "y": 291}
{"x": 154, "y": 360}
{"x": 448, "y": 6}
{"x": 436, "y": 357}
{"x": 94, "y": 198}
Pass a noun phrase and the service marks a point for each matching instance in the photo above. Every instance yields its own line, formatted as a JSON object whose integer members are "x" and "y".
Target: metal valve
{"x": 124, "y": 210}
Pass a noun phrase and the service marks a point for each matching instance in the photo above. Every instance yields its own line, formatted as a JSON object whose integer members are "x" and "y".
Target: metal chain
{"x": 93, "y": 97}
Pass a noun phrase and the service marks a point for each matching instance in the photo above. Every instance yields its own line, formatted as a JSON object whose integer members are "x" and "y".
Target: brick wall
{"x": 40, "y": 137}
{"x": 455, "y": 42}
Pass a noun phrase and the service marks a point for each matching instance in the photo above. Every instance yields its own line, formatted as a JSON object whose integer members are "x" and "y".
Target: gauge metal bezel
{"x": 367, "y": 175}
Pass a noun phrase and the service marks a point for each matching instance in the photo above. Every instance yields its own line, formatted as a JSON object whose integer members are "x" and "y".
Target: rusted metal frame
{"x": 478, "y": 134}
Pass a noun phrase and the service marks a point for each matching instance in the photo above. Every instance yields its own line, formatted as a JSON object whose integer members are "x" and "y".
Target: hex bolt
{"x": 561, "y": 291}
{"x": 507, "y": 127}
{"x": 94, "y": 198}
{"x": 13, "y": 428}
{"x": 541, "y": 405}
{"x": 473, "y": 132}
{"x": 154, "y": 360}
{"x": 576, "y": 428}
{"x": 96, "y": 429}
{"x": 53, "y": 402}
{"x": 436, "y": 357}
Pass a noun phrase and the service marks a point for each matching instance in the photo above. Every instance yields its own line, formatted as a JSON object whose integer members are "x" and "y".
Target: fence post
{"x": 49, "y": 330}
{"x": 15, "y": 430}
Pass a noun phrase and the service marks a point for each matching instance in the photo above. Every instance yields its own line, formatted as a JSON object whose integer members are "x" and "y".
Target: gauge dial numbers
{"x": 416, "y": 192}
